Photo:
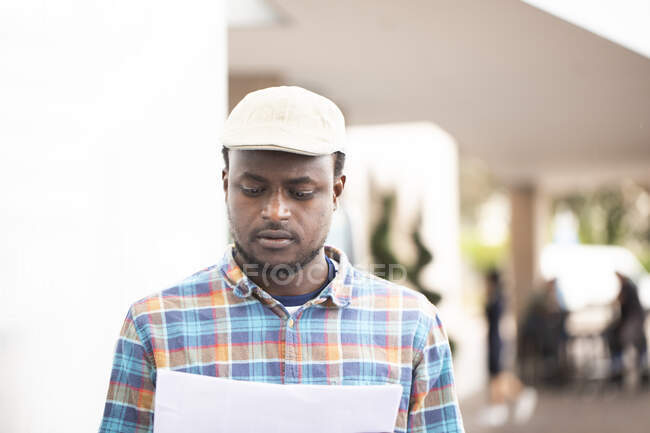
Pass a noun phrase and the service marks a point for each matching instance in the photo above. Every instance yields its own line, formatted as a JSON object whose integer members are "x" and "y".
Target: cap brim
{"x": 272, "y": 147}
{"x": 279, "y": 139}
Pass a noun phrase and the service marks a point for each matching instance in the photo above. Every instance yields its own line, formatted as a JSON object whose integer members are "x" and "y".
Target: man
{"x": 281, "y": 307}
{"x": 627, "y": 329}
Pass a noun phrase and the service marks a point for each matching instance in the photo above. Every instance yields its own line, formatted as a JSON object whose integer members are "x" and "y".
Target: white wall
{"x": 109, "y": 186}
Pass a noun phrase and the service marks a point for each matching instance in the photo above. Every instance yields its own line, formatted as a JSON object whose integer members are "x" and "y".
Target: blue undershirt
{"x": 298, "y": 300}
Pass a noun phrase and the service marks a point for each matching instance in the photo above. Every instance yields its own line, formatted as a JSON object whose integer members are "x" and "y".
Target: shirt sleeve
{"x": 129, "y": 402}
{"x": 433, "y": 405}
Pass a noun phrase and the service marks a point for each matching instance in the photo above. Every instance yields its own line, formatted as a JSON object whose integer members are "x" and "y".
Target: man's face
{"x": 280, "y": 205}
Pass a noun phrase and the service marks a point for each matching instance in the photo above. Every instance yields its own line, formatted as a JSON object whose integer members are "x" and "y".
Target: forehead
{"x": 274, "y": 164}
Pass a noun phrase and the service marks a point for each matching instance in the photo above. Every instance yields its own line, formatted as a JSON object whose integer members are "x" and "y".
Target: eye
{"x": 302, "y": 195}
{"x": 252, "y": 191}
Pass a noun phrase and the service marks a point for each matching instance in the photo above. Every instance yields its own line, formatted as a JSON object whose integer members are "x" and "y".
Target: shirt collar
{"x": 339, "y": 289}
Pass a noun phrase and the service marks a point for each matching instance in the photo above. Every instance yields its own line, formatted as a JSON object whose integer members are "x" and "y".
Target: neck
{"x": 307, "y": 279}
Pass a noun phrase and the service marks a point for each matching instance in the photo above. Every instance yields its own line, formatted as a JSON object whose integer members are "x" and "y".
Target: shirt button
{"x": 290, "y": 323}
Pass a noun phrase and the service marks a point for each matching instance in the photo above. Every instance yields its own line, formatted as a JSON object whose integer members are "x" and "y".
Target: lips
{"x": 274, "y": 239}
{"x": 274, "y": 234}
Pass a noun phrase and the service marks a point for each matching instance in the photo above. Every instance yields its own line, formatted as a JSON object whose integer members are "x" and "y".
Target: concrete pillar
{"x": 529, "y": 213}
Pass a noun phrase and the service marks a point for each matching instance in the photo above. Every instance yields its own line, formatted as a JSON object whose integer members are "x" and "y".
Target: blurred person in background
{"x": 543, "y": 337}
{"x": 494, "y": 308}
{"x": 627, "y": 330}
{"x": 505, "y": 388}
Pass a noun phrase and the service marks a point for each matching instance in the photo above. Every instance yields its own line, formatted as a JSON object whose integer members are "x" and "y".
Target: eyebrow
{"x": 302, "y": 179}
{"x": 294, "y": 181}
{"x": 254, "y": 177}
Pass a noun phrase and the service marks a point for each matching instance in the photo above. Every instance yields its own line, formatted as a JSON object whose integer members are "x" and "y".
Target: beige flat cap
{"x": 287, "y": 118}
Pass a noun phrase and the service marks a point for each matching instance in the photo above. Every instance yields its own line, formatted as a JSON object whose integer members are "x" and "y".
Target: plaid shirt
{"x": 360, "y": 330}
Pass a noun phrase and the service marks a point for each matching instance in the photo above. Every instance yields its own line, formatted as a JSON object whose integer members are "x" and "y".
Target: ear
{"x": 224, "y": 181}
{"x": 339, "y": 184}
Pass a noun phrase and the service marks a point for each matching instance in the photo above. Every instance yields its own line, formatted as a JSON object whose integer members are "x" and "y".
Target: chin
{"x": 275, "y": 256}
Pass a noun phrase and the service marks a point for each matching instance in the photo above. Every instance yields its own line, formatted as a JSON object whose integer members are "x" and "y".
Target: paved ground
{"x": 583, "y": 411}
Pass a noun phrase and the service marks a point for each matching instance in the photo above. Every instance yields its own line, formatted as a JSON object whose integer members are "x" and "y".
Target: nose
{"x": 276, "y": 208}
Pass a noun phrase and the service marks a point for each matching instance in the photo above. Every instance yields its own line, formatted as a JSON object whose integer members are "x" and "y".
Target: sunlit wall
{"x": 109, "y": 186}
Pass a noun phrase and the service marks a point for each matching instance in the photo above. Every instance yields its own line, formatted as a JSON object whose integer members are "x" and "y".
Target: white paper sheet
{"x": 189, "y": 403}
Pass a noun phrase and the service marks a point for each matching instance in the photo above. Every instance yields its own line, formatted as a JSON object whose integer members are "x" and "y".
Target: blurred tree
{"x": 477, "y": 187}
{"x": 601, "y": 216}
{"x": 477, "y": 184}
{"x": 382, "y": 250}
{"x": 483, "y": 257}
{"x": 616, "y": 215}
{"x": 423, "y": 258}
{"x": 380, "y": 247}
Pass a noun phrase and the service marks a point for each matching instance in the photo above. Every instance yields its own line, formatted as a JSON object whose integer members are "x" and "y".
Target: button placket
{"x": 291, "y": 370}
